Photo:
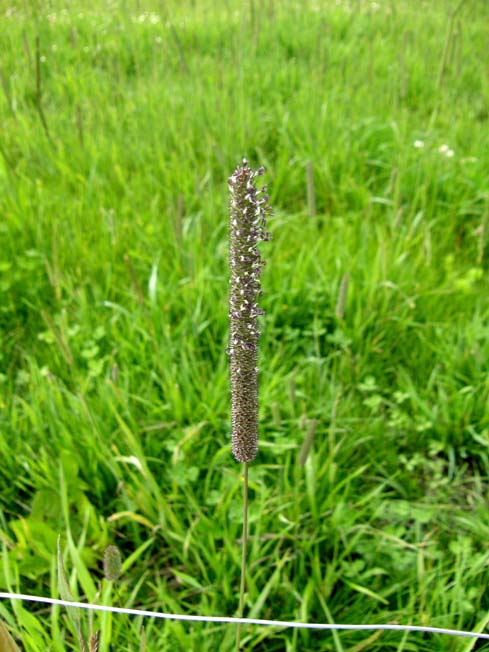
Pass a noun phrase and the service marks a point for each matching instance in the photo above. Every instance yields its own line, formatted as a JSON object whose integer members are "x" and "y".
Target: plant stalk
{"x": 244, "y": 547}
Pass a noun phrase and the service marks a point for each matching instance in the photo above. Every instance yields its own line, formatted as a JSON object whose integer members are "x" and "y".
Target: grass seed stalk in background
{"x": 112, "y": 563}
{"x": 249, "y": 209}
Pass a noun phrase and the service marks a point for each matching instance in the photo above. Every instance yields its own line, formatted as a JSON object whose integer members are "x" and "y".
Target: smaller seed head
{"x": 112, "y": 563}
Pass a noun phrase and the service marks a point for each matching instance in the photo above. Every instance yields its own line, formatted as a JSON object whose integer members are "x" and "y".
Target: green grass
{"x": 114, "y": 400}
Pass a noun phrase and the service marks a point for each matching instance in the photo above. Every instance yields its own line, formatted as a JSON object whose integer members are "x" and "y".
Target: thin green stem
{"x": 243, "y": 556}
{"x": 444, "y": 61}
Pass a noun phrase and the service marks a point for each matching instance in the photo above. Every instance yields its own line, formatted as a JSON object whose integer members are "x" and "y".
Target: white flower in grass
{"x": 446, "y": 151}
{"x": 418, "y": 144}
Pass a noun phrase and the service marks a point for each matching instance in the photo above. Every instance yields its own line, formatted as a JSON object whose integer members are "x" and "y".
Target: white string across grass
{"x": 244, "y": 621}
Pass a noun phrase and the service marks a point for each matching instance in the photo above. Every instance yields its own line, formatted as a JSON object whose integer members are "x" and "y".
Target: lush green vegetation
{"x": 118, "y": 134}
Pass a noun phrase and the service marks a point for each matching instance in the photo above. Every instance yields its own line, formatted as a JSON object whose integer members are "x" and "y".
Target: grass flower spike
{"x": 112, "y": 563}
{"x": 249, "y": 209}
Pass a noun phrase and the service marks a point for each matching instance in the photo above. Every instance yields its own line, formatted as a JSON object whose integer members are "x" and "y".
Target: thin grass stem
{"x": 39, "y": 105}
{"x": 242, "y": 586}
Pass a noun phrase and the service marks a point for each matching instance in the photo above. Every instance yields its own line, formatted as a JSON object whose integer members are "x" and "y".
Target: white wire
{"x": 244, "y": 621}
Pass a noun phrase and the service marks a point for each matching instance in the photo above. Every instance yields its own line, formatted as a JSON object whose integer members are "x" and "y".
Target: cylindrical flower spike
{"x": 112, "y": 563}
{"x": 249, "y": 209}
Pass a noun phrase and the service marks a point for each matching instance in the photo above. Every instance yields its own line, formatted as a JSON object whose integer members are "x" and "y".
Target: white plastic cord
{"x": 244, "y": 621}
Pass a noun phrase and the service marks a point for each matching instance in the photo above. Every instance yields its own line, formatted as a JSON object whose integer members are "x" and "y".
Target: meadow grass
{"x": 120, "y": 126}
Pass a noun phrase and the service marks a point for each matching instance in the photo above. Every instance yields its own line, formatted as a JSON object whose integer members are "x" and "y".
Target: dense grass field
{"x": 121, "y": 121}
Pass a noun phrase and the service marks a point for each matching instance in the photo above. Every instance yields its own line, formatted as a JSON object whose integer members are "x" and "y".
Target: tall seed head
{"x": 249, "y": 209}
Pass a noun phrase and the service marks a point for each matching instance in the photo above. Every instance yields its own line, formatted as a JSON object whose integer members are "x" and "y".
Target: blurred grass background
{"x": 121, "y": 122}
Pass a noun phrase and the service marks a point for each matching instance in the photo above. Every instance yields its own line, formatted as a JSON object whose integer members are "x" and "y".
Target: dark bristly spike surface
{"x": 249, "y": 209}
